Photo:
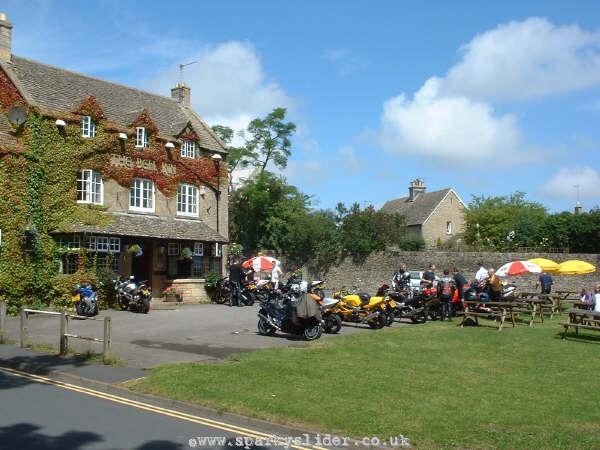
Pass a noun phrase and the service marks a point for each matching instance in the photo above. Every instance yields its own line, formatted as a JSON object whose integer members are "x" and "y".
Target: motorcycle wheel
{"x": 389, "y": 319}
{"x": 378, "y": 322}
{"x": 145, "y": 305}
{"x": 220, "y": 297}
{"x": 419, "y": 318}
{"x": 95, "y": 312}
{"x": 79, "y": 309}
{"x": 333, "y": 324}
{"x": 265, "y": 328}
{"x": 313, "y": 332}
{"x": 248, "y": 299}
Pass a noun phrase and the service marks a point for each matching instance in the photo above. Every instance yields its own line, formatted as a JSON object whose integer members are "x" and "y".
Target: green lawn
{"x": 439, "y": 385}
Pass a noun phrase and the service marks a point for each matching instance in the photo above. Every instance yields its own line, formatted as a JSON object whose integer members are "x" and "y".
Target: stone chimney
{"x": 182, "y": 94}
{"x": 5, "y": 38}
{"x": 416, "y": 187}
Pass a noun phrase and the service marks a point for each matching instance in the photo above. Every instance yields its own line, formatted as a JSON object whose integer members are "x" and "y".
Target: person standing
{"x": 401, "y": 279}
{"x": 545, "y": 281}
{"x": 446, "y": 288}
{"x": 275, "y": 273}
{"x": 236, "y": 276}
{"x": 428, "y": 277}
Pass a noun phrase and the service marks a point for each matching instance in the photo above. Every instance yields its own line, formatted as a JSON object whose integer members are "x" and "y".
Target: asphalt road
{"x": 46, "y": 414}
{"x": 185, "y": 333}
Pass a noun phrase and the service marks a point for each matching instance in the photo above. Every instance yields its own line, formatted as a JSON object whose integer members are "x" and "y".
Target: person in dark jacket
{"x": 236, "y": 276}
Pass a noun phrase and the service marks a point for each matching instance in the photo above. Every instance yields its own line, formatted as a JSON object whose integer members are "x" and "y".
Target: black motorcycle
{"x": 132, "y": 295}
{"x": 410, "y": 305}
{"x": 86, "y": 303}
{"x": 290, "y": 316}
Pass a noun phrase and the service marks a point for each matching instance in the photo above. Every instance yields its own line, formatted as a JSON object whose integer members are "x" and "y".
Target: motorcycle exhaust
{"x": 273, "y": 324}
{"x": 371, "y": 316}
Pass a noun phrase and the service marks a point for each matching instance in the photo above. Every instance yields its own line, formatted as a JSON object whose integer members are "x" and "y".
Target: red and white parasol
{"x": 515, "y": 268}
{"x": 260, "y": 263}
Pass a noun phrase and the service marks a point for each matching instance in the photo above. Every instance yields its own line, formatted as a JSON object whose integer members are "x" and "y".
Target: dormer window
{"x": 188, "y": 149}
{"x": 141, "y": 137}
{"x": 88, "y": 127}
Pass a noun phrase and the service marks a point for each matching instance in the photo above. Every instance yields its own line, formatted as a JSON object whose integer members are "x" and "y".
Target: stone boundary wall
{"x": 379, "y": 267}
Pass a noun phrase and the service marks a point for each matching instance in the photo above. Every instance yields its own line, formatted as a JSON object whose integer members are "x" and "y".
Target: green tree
{"x": 270, "y": 139}
{"x": 504, "y": 223}
{"x": 368, "y": 230}
{"x": 237, "y": 157}
{"x": 260, "y": 212}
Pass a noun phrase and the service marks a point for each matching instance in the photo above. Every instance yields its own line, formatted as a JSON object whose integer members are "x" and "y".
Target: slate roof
{"x": 57, "y": 90}
{"x": 417, "y": 211}
{"x": 151, "y": 226}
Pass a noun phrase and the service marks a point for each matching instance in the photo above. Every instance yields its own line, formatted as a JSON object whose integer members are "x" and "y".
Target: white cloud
{"x": 451, "y": 118}
{"x": 563, "y": 183}
{"x": 228, "y": 85}
{"x": 520, "y": 60}
{"x": 450, "y": 129}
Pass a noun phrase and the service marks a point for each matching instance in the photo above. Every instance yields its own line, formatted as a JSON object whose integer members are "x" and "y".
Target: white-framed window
{"x": 188, "y": 149}
{"x": 88, "y": 127}
{"x": 141, "y": 137}
{"x": 141, "y": 195}
{"x": 187, "y": 200}
{"x": 198, "y": 249}
{"x": 449, "y": 227}
{"x": 90, "y": 188}
{"x": 173, "y": 249}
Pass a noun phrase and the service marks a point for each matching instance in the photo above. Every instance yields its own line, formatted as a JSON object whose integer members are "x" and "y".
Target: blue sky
{"x": 488, "y": 98}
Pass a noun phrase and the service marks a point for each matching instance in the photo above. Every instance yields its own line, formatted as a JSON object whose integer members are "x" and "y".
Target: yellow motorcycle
{"x": 361, "y": 308}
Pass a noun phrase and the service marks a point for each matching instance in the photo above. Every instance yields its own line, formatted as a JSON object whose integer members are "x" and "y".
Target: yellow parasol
{"x": 547, "y": 265}
{"x": 575, "y": 267}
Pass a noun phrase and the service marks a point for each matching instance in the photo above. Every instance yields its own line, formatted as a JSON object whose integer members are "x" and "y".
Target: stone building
{"x": 436, "y": 216}
{"x": 143, "y": 173}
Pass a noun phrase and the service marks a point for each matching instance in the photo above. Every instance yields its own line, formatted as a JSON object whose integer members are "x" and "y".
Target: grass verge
{"x": 439, "y": 385}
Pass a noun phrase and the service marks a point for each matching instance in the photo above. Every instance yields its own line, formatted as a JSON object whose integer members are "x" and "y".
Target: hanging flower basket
{"x": 135, "y": 249}
{"x": 187, "y": 253}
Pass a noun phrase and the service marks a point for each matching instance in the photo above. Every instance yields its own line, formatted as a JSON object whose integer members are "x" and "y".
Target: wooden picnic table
{"x": 497, "y": 311}
{"x": 581, "y": 318}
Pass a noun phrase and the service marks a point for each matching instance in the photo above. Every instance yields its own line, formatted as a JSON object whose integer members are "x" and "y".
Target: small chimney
{"x": 5, "y": 38}
{"x": 416, "y": 187}
{"x": 182, "y": 94}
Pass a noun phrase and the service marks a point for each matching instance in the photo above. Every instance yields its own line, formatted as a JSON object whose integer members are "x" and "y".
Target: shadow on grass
{"x": 579, "y": 337}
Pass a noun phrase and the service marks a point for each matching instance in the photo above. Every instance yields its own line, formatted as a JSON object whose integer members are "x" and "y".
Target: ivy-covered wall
{"x": 38, "y": 191}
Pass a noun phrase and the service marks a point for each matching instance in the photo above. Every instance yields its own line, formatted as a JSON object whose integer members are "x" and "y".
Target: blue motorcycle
{"x": 86, "y": 300}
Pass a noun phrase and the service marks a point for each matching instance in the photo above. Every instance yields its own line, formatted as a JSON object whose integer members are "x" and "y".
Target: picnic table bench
{"x": 497, "y": 311}
{"x": 581, "y": 318}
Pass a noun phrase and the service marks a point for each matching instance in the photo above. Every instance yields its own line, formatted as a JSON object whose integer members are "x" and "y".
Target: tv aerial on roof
{"x": 17, "y": 115}
{"x": 181, "y": 66}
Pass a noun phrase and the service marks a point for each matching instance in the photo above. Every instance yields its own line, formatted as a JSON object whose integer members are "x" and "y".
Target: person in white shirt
{"x": 482, "y": 273}
{"x": 275, "y": 275}
{"x": 597, "y": 299}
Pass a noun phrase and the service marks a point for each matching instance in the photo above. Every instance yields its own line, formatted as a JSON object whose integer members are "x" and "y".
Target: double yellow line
{"x": 241, "y": 431}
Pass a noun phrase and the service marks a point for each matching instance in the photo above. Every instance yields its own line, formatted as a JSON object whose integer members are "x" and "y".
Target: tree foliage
{"x": 510, "y": 223}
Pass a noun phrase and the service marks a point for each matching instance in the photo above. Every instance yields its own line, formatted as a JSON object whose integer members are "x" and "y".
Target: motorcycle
{"x": 133, "y": 295}
{"x": 332, "y": 323}
{"x": 298, "y": 315}
{"x": 409, "y": 304}
{"x": 86, "y": 300}
{"x": 360, "y": 308}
